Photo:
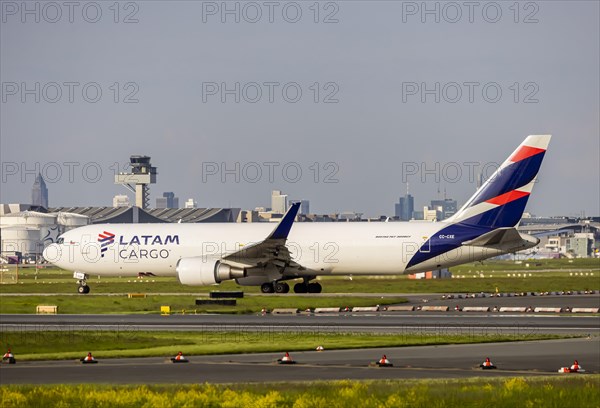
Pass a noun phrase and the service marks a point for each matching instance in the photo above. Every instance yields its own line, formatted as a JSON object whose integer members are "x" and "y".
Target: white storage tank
{"x": 22, "y": 239}
{"x": 28, "y": 218}
{"x": 45, "y": 224}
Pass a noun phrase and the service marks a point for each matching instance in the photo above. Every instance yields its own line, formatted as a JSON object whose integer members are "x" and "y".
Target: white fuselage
{"x": 322, "y": 248}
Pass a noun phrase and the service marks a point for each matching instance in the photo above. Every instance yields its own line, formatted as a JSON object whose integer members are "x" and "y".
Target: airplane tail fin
{"x": 501, "y": 200}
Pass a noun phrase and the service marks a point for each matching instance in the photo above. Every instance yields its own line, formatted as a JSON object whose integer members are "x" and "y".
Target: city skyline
{"x": 443, "y": 208}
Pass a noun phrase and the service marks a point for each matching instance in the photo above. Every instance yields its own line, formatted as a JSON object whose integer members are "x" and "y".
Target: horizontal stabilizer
{"x": 500, "y": 236}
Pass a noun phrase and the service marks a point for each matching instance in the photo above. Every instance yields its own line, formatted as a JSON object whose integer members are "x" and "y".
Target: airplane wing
{"x": 272, "y": 249}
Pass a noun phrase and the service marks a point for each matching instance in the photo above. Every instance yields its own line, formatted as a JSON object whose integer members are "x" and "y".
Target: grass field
{"x": 571, "y": 391}
{"x": 538, "y": 282}
{"x": 94, "y": 304}
{"x": 129, "y": 342}
{"x": 546, "y": 275}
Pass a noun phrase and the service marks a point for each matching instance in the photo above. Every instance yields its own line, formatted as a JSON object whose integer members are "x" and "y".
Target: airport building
{"x": 248, "y": 216}
{"x": 431, "y": 214}
{"x": 121, "y": 200}
{"x": 190, "y": 203}
{"x": 580, "y": 245}
{"x": 446, "y": 207}
{"x": 120, "y": 215}
{"x": 321, "y": 218}
{"x": 24, "y": 232}
{"x": 563, "y": 237}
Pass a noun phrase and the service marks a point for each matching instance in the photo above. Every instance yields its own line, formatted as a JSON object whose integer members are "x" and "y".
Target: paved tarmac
{"x": 451, "y": 361}
{"x": 381, "y": 322}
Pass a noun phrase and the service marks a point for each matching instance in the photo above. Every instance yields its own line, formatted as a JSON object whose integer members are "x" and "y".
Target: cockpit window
{"x": 60, "y": 240}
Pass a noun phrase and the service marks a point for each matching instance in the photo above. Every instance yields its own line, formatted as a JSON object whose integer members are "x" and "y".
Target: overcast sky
{"x": 338, "y": 102}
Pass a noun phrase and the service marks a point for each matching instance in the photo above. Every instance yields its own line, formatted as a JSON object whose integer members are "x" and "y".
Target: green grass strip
{"x": 128, "y": 342}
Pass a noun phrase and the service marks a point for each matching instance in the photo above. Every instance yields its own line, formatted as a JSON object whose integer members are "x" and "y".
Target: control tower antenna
{"x": 138, "y": 180}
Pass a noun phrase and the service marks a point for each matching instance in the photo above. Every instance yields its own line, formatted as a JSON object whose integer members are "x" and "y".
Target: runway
{"x": 451, "y": 361}
{"x": 466, "y": 323}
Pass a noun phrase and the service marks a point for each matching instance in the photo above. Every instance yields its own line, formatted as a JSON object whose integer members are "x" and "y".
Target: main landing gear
{"x": 305, "y": 287}
{"x": 275, "y": 287}
{"x": 83, "y": 287}
{"x": 282, "y": 287}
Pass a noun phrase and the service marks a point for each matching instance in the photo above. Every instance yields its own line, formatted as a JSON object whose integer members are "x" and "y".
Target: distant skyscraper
{"x": 279, "y": 202}
{"x": 168, "y": 200}
{"x": 304, "y": 207}
{"x": 418, "y": 215}
{"x": 39, "y": 192}
{"x": 405, "y": 207}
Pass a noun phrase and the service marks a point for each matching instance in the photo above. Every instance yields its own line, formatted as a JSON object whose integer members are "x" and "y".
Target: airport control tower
{"x": 138, "y": 180}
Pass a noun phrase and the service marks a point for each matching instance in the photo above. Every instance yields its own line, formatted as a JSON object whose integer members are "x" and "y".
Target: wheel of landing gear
{"x": 81, "y": 289}
{"x": 281, "y": 287}
{"x": 86, "y": 289}
{"x": 314, "y": 287}
{"x": 267, "y": 288}
{"x": 300, "y": 288}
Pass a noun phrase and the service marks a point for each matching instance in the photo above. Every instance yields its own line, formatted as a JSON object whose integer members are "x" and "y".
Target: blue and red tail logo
{"x": 105, "y": 238}
{"x": 499, "y": 203}
{"x": 502, "y": 199}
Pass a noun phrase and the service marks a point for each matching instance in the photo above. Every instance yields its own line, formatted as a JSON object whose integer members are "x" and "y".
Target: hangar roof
{"x": 154, "y": 215}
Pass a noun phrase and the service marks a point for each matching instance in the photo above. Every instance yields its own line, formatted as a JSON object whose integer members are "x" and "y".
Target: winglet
{"x": 285, "y": 225}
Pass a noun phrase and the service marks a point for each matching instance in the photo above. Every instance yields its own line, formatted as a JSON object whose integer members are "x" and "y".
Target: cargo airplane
{"x": 266, "y": 256}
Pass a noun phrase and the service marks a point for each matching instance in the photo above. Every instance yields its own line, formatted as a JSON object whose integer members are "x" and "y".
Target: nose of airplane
{"x": 52, "y": 253}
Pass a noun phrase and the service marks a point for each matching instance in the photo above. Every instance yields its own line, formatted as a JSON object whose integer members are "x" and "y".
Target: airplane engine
{"x": 200, "y": 271}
